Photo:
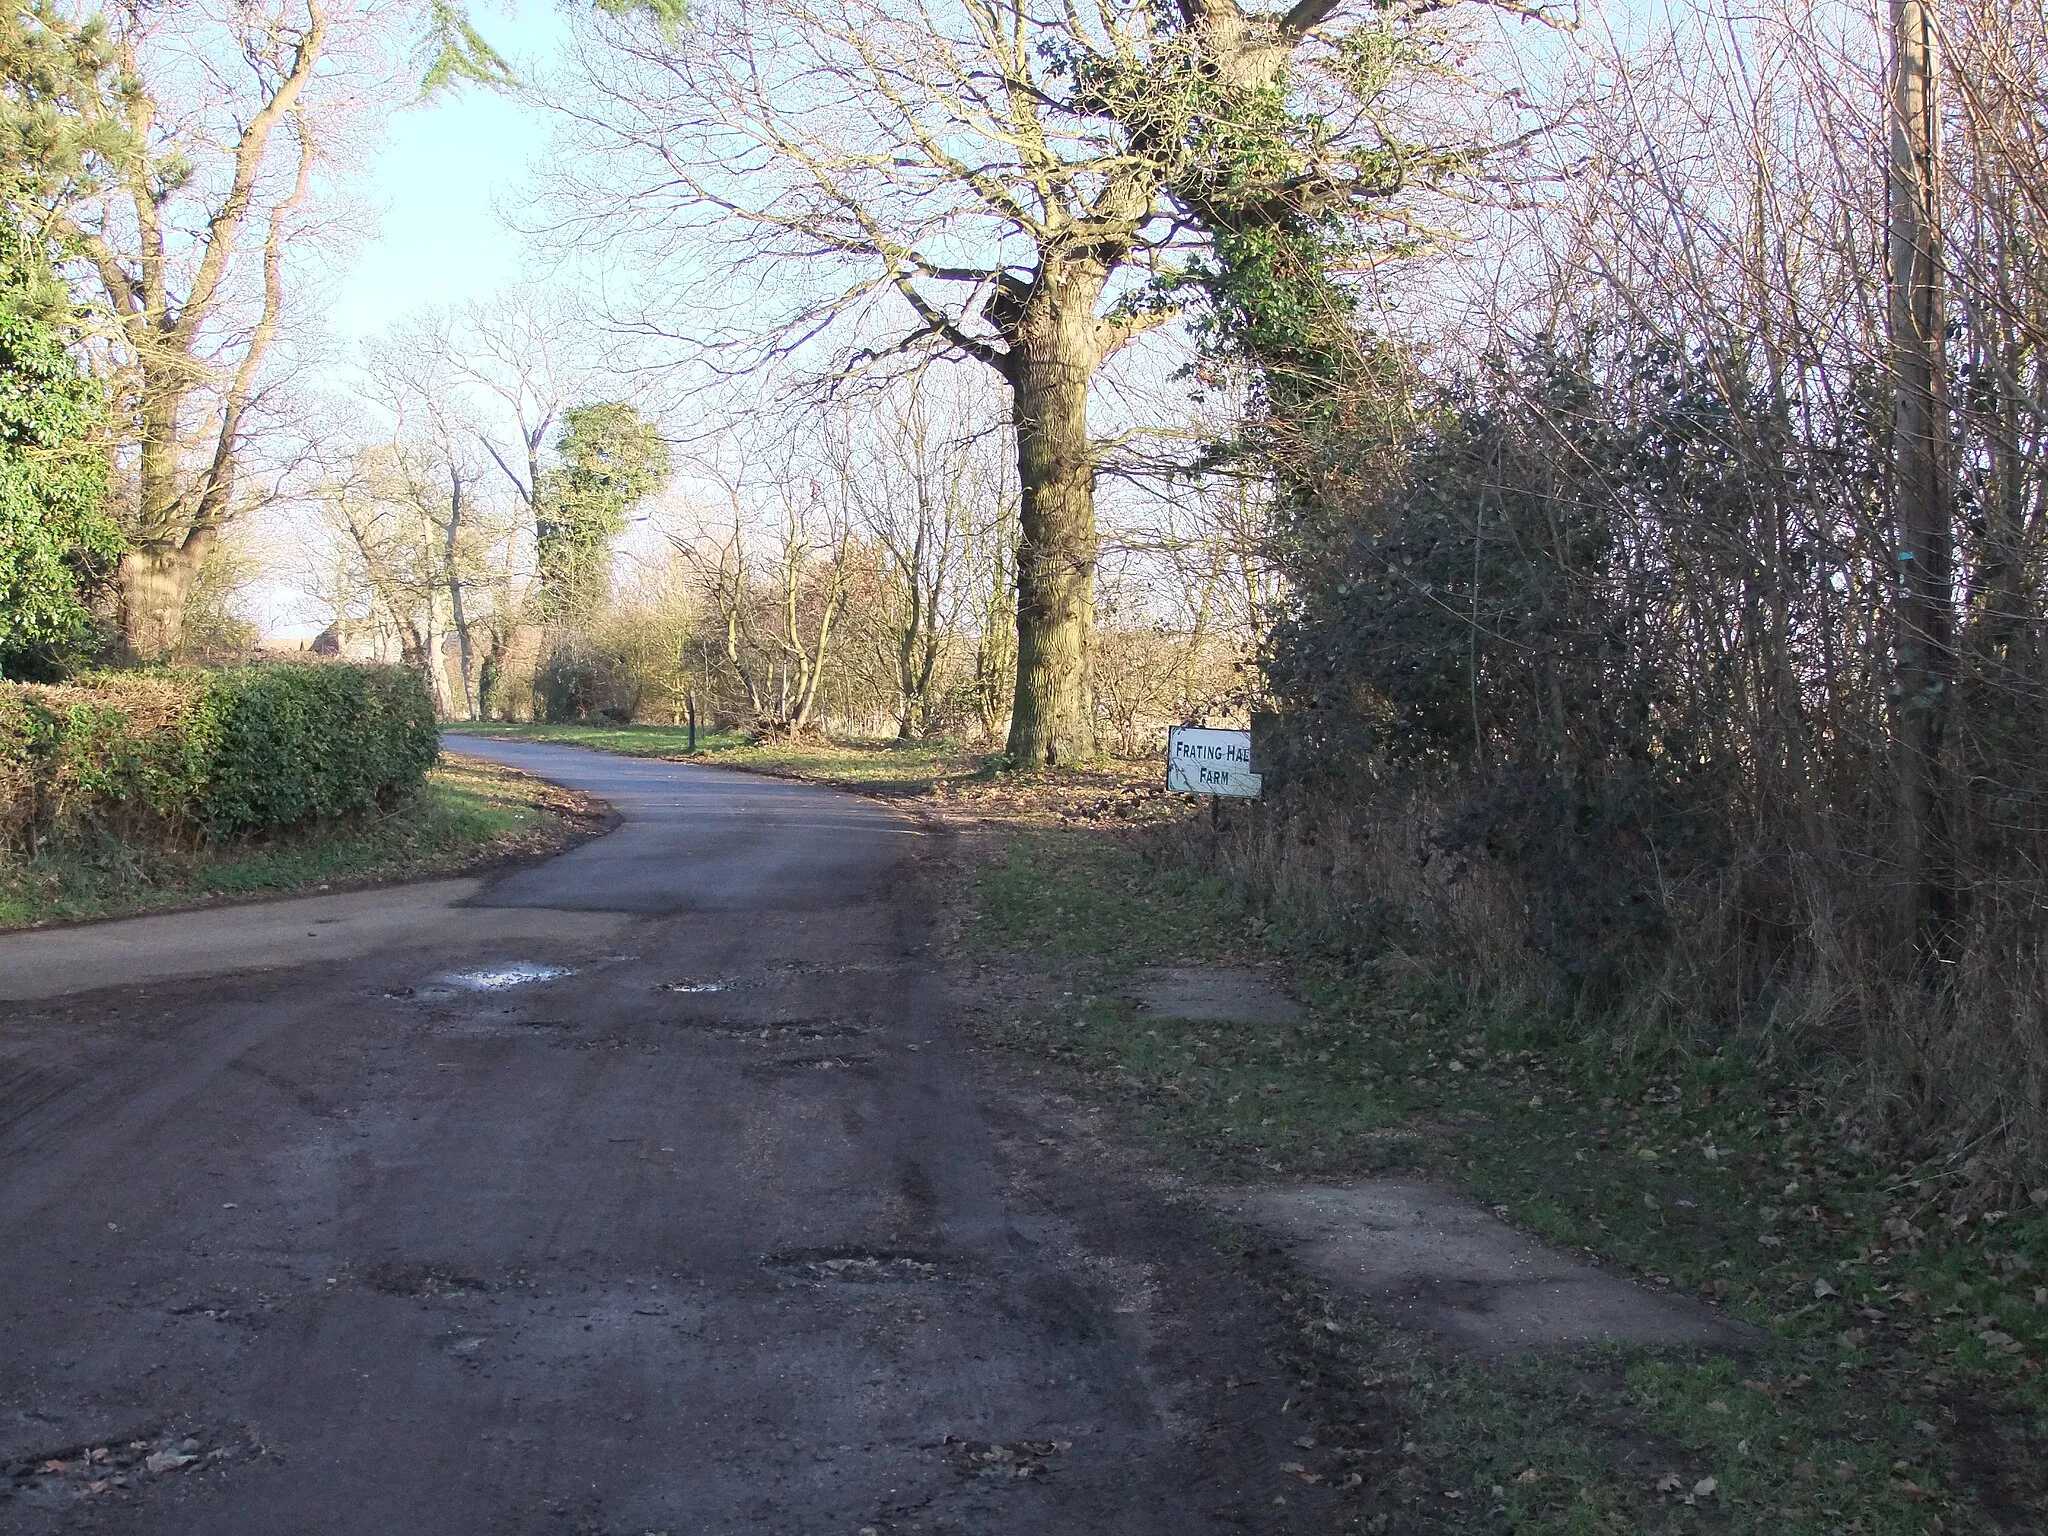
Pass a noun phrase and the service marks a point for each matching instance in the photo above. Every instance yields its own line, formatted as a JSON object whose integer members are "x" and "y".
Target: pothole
{"x": 855, "y": 1268}
{"x": 1001, "y": 1463}
{"x": 773, "y": 1031}
{"x": 467, "y": 1348}
{"x": 237, "y": 1314}
{"x": 775, "y": 975}
{"x": 838, "y": 967}
{"x": 802, "y": 1029}
{"x": 116, "y": 1465}
{"x": 416, "y": 1277}
{"x": 794, "y": 1066}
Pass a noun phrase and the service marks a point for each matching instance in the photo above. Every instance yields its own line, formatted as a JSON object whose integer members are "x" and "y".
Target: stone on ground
{"x": 1213, "y": 994}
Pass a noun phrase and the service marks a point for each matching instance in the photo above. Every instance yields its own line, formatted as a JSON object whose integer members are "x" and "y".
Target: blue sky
{"x": 444, "y": 169}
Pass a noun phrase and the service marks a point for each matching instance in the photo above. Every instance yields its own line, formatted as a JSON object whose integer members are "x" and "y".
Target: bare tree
{"x": 1920, "y": 463}
{"x": 1008, "y": 175}
{"x": 776, "y": 580}
{"x": 924, "y": 487}
{"x": 394, "y": 557}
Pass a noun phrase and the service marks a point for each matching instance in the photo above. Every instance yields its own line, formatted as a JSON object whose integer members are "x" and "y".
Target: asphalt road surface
{"x": 660, "y": 1192}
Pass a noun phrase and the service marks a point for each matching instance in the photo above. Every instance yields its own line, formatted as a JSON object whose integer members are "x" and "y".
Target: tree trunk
{"x": 457, "y": 618}
{"x": 1055, "y": 347}
{"x": 1925, "y": 639}
{"x": 156, "y": 583}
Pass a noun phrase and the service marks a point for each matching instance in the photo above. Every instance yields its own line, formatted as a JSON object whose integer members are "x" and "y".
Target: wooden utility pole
{"x": 1925, "y": 640}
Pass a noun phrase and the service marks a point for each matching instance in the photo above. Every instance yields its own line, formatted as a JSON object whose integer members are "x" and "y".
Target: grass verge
{"x": 470, "y": 815}
{"x": 1901, "y": 1313}
{"x": 905, "y": 768}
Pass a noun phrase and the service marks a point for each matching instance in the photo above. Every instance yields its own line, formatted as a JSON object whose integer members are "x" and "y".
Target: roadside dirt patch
{"x": 1433, "y": 1263}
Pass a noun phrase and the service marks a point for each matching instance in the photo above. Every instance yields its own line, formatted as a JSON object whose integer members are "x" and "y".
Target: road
{"x": 659, "y": 1190}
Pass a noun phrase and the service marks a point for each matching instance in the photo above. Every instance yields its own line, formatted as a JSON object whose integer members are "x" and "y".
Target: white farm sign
{"x": 1205, "y": 762}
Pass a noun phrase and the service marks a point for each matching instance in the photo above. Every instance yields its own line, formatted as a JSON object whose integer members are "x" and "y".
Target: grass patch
{"x": 911, "y": 768}
{"x": 1902, "y": 1313}
{"x": 469, "y": 814}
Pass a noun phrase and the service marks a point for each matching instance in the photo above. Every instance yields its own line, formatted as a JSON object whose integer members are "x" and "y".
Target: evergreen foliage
{"x": 55, "y": 534}
{"x": 183, "y": 756}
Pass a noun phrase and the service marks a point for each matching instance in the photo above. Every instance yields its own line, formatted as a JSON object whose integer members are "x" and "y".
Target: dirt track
{"x": 724, "y": 1229}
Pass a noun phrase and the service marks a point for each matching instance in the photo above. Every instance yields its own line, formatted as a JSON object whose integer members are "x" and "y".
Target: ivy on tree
{"x": 611, "y": 459}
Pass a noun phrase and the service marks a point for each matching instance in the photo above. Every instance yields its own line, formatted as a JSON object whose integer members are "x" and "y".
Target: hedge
{"x": 182, "y": 757}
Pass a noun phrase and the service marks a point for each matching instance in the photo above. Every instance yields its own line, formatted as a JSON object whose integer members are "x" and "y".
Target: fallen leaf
{"x": 1822, "y": 1290}
{"x": 1704, "y": 1488}
{"x": 1529, "y": 1475}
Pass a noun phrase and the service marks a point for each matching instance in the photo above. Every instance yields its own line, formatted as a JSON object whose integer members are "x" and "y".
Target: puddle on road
{"x": 491, "y": 978}
{"x": 498, "y": 978}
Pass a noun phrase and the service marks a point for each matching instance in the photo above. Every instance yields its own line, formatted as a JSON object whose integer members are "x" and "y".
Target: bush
{"x": 190, "y": 756}
{"x": 583, "y": 678}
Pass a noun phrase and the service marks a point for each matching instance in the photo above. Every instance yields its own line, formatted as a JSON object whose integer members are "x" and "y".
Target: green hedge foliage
{"x": 186, "y": 756}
